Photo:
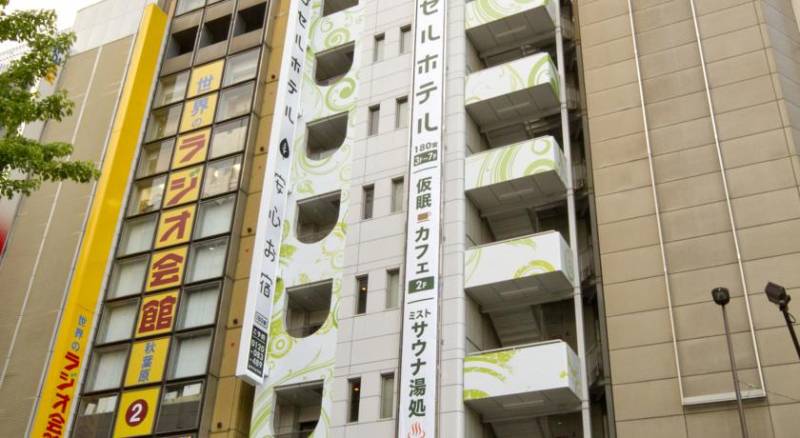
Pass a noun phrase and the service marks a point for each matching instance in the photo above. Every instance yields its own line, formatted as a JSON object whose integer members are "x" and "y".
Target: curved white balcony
{"x": 493, "y": 24}
{"x": 519, "y": 90}
{"x": 528, "y": 380}
{"x": 527, "y": 270}
{"x": 521, "y": 173}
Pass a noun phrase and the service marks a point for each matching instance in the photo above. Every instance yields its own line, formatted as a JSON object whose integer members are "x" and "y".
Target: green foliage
{"x": 25, "y": 163}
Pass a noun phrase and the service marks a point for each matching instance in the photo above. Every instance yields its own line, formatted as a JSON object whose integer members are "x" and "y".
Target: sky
{"x": 66, "y": 9}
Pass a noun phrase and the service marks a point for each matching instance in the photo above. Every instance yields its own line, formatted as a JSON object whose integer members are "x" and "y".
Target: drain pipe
{"x": 728, "y": 203}
{"x": 573, "y": 228}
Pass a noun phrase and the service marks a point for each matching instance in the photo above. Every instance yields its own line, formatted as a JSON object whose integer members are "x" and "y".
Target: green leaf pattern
{"x": 511, "y": 77}
{"x": 480, "y": 12}
{"x": 305, "y": 263}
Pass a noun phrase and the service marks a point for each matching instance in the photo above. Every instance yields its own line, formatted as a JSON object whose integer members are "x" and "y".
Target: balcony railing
{"x": 518, "y": 174}
{"x": 493, "y": 24}
{"x": 529, "y": 380}
{"x": 509, "y": 93}
{"x": 527, "y": 270}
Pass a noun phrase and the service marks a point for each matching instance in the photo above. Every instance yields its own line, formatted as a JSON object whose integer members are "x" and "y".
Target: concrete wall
{"x": 750, "y": 49}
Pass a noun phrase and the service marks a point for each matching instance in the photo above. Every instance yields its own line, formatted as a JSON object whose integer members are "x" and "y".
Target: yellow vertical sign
{"x": 198, "y": 112}
{"x": 206, "y": 78}
{"x": 146, "y": 364}
{"x": 183, "y": 186}
{"x": 136, "y": 413}
{"x": 59, "y": 389}
{"x": 175, "y": 226}
{"x": 157, "y": 314}
{"x": 166, "y": 269}
{"x": 191, "y": 148}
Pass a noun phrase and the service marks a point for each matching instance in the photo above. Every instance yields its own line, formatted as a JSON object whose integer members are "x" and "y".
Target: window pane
{"x": 392, "y": 289}
{"x": 188, "y": 5}
{"x": 214, "y": 217}
{"x": 171, "y": 89}
{"x": 146, "y": 195}
{"x": 355, "y": 400}
{"x": 155, "y": 158}
{"x": 117, "y": 322}
{"x": 401, "y": 116}
{"x": 207, "y": 260}
{"x": 127, "y": 277}
{"x": 180, "y": 407}
{"x": 199, "y": 306}
{"x": 163, "y": 123}
{"x": 137, "y": 235}
{"x": 374, "y": 120}
{"x": 369, "y": 200}
{"x": 229, "y": 137}
{"x": 405, "y": 39}
{"x": 361, "y": 294}
{"x": 398, "y": 191}
{"x": 95, "y": 416}
{"x": 222, "y": 176}
{"x": 387, "y": 395}
{"x": 378, "y": 49}
{"x": 190, "y": 355}
{"x": 241, "y": 68}
{"x": 235, "y": 101}
{"x": 107, "y": 368}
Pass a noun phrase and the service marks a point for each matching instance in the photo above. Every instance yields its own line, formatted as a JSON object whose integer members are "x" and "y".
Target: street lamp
{"x": 722, "y": 297}
{"x": 777, "y": 294}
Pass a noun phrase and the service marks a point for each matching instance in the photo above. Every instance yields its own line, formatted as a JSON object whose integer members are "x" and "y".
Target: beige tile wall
{"x": 751, "y": 50}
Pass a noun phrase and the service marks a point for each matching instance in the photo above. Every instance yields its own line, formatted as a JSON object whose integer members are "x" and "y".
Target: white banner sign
{"x": 418, "y": 373}
{"x": 264, "y": 269}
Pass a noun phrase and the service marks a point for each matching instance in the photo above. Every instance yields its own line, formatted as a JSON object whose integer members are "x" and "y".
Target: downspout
{"x": 586, "y": 416}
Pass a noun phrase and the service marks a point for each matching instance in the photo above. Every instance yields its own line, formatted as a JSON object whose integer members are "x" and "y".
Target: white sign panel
{"x": 264, "y": 270}
{"x": 418, "y": 373}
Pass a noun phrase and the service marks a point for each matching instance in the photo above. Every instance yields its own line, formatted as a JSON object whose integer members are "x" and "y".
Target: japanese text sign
{"x": 264, "y": 269}
{"x": 418, "y": 372}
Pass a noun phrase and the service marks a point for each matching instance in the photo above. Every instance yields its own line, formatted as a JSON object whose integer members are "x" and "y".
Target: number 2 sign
{"x": 136, "y": 411}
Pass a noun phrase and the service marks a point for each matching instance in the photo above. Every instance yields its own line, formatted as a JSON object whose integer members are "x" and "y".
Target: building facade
{"x": 484, "y": 219}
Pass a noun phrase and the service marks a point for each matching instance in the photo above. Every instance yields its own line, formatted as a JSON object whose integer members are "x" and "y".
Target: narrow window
{"x": 369, "y": 201}
{"x": 398, "y": 191}
{"x": 405, "y": 39}
{"x": 380, "y": 42}
{"x": 362, "y": 283}
{"x": 387, "y": 395}
{"x": 392, "y": 288}
{"x": 180, "y": 407}
{"x": 401, "y": 113}
{"x": 198, "y": 306}
{"x": 374, "y": 119}
{"x": 355, "y": 399}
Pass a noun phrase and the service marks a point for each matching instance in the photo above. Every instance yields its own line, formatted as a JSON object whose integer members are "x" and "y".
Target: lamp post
{"x": 777, "y": 294}
{"x": 722, "y": 297}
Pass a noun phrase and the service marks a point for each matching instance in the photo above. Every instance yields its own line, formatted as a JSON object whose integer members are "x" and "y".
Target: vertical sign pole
{"x": 419, "y": 365}
{"x": 264, "y": 270}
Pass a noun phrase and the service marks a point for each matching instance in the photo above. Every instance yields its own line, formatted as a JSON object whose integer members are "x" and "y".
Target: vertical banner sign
{"x": 264, "y": 268}
{"x": 418, "y": 373}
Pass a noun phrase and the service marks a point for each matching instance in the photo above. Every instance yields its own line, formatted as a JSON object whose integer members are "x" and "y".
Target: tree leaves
{"x": 26, "y": 163}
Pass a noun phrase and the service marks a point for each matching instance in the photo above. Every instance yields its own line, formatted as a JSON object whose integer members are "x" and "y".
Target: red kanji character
{"x": 166, "y": 270}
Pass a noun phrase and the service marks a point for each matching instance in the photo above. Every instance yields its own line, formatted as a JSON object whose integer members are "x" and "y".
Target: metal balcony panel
{"x": 518, "y": 174}
{"x": 491, "y": 24}
{"x": 528, "y": 270}
{"x": 532, "y": 380}
{"x": 525, "y": 89}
